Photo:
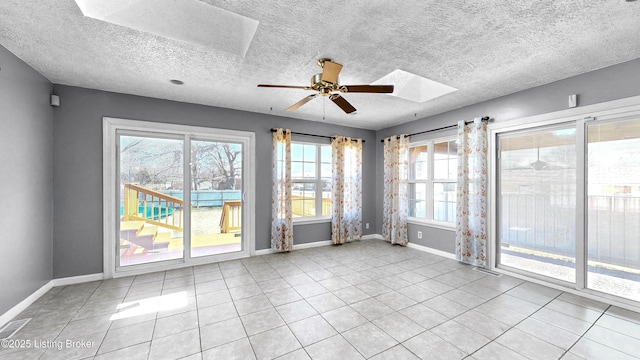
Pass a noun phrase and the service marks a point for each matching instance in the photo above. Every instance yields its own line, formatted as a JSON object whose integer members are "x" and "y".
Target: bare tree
{"x": 227, "y": 159}
{"x": 148, "y": 162}
{"x": 152, "y": 162}
{"x": 201, "y": 159}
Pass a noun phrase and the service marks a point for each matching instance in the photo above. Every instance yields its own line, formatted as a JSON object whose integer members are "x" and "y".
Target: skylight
{"x": 413, "y": 87}
{"x": 191, "y": 21}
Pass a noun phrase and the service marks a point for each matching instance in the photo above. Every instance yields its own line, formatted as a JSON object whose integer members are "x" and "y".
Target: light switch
{"x": 573, "y": 100}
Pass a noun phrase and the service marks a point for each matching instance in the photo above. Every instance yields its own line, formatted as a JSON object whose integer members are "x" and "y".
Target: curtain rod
{"x": 486, "y": 118}
{"x": 304, "y": 134}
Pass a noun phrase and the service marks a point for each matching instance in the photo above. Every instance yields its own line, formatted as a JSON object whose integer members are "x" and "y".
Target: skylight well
{"x": 413, "y": 87}
{"x": 191, "y": 21}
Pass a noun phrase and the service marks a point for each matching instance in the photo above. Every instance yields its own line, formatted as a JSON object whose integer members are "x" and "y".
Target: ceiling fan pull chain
{"x": 324, "y": 106}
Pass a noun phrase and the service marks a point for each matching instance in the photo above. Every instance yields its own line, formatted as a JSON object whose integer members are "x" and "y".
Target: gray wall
{"x": 77, "y": 156}
{"x": 611, "y": 83}
{"x": 26, "y": 130}
{"x": 73, "y": 144}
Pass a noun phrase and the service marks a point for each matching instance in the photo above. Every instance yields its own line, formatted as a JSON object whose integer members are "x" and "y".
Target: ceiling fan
{"x": 538, "y": 164}
{"x": 326, "y": 84}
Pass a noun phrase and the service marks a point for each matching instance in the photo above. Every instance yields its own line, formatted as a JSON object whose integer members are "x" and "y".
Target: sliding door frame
{"x": 111, "y": 127}
{"x": 581, "y": 116}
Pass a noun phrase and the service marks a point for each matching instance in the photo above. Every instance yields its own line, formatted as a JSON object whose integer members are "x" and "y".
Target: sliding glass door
{"x": 151, "y": 199}
{"x": 568, "y": 204}
{"x": 216, "y": 197}
{"x": 613, "y": 207}
{"x": 180, "y": 195}
{"x": 537, "y": 201}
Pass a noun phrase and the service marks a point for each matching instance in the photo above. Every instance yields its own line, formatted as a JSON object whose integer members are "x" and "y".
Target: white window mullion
{"x": 429, "y": 183}
{"x": 581, "y": 210}
{"x": 318, "y": 181}
{"x": 186, "y": 195}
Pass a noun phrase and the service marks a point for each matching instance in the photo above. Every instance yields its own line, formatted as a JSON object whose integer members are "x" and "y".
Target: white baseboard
{"x": 432, "y": 251}
{"x": 265, "y": 252}
{"x": 22, "y": 305}
{"x": 77, "y": 279}
{"x": 415, "y": 246}
{"x": 312, "y": 245}
{"x": 316, "y": 244}
{"x": 296, "y": 247}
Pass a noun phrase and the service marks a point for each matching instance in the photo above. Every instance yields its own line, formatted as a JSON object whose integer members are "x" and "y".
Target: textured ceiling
{"x": 485, "y": 49}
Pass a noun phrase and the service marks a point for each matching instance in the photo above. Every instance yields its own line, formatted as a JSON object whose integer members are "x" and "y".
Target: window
{"x": 310, "y": 180}
{"x": 432, "y": 180}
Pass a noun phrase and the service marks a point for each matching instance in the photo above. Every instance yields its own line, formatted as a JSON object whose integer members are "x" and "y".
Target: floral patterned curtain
{"x": 396, "y": 207}
{"x": 346, "y": 189}
{"x": 281, "y": 217}
{"x": 471, "y": 190}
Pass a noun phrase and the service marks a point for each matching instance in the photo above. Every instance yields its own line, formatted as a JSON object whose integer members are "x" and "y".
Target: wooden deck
{"x": 198, "y": 241}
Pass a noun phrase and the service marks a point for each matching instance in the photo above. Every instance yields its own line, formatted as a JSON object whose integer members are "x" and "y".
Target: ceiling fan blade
{"x": 285, "y": 86}
{"x": 342, "y": 103}
{"x": 330, "y": 72}
{"x": 301, "y": 102}
{"x": 386, "y": 89}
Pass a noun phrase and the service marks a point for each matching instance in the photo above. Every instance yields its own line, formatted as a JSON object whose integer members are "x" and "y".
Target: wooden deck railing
{"x": 152, "y": 207}
{"x": 306, "y": 206}
{"x": 230, "y": 220}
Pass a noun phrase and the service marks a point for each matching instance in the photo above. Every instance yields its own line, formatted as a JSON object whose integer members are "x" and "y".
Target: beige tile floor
{"x": 365, "y": 299}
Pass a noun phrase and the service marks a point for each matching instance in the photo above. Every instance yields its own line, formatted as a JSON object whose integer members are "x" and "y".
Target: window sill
{"x": 431, "y": 223}
{"x": 311, "y": 220}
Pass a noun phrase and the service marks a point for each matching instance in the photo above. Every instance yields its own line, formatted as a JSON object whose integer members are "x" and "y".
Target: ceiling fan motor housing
{"x": 322, "y": 86}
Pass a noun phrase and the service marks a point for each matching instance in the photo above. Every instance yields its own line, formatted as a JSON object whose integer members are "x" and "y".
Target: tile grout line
{"x": 464, "y": 312}
{"x": 195, "y": 298}
{"x": 295, "y": 261}
{"x": 224, "y": 278}
{"x": 85, "y": 303}
{"x": 81, "y": 306}
{"x": 516, "y": 324}
{"x": 155, "y": 321}
{"x": 586, "y": 331}
{"x": 397, "y": 311}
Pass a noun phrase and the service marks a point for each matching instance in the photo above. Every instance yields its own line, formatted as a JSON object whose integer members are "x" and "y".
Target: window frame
{"x": 430, "y": 182}
{"x": 317, "y": 181}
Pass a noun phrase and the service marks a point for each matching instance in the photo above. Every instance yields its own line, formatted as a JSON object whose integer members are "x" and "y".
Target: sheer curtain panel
{"x": 281, "y": 216}
{"x": 396, "y": 207}
{"x": 346, "y": 189}
{"x": 471, "y": 190}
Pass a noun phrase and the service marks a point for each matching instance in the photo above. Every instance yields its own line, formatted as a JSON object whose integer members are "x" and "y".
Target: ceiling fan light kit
{"x": 327, "y": 84}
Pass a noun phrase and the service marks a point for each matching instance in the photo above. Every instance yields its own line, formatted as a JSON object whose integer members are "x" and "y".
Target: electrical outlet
{"x": 366, "y": 226}
{"x": 419, "y": 234}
